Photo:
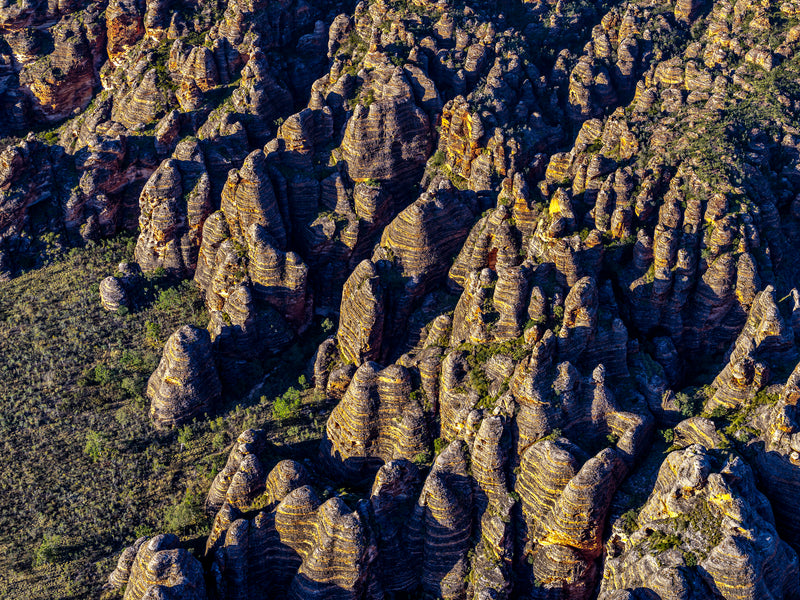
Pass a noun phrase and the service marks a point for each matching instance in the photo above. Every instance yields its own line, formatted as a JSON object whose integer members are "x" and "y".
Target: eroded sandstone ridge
{"x": 557, "y": 239}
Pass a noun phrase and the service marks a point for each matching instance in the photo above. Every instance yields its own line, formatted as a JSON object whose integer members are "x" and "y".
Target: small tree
{"x": 96, "y": 445}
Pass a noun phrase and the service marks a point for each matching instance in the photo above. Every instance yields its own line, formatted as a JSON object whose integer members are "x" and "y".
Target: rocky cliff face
{"x": 546, "y": 230}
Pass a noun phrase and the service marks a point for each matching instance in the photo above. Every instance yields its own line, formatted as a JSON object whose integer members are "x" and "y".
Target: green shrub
{"x": 152, "y": 333}
{"x": 661, "y": 542}
{"x": 102, "y": 375}
{"x": 285, "y": 407}
{"x": 558, "y": 313}
{"x": 218, "y": 441}
{"x": 143, "y": 530}
{"x": 185, "y": 435}
{"x": 630, "y": 521}
{"x": 96, "y": 446}
{"x": 437, "y": 160}
{"x": 422, "y": 459}
{"x": 48, "y": 551}
{"x": 553, "y": 435}
{"x": 689, "y": 406}
{"x": 186, "y": 516}
{"x": 169, "y": 299}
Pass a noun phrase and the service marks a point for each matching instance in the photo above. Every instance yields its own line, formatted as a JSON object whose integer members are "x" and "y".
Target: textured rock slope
{"x": 547, "y": 231}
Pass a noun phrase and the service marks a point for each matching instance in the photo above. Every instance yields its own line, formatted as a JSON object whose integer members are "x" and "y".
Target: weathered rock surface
{"x": 112, "y": 294}
{"x": 704, "y": 530}
{"x": 765, "y": 340}
{"x": 375, "y": 422}
{"x": 249, "y": 442}
{"x": 564, "y": 505}
{"x": 441, "y": 525}
{"x": 172, "y": 209}
{"x": 185, "y": 384}
{"x": 361, "y": 318}
{"x": 555, "y": 225}
{"x": 159, "y": 568}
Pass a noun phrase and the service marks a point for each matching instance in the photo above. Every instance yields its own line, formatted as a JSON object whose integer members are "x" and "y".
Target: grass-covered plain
{"x": 82, "y": 472}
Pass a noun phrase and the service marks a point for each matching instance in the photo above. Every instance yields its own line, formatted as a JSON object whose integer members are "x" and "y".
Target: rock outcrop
{"x": 185, "y": 384}
{"x": 705, "y": 529}
{"x": 159, "y": 568}
{"x": 375, "y": 422}
{"x": 360, "y": 334}
{"x": 173, "y": 206}
{"x": 112, "y": 294}
{"x": 544, "y": 231}
{"x": 765, "y": 341}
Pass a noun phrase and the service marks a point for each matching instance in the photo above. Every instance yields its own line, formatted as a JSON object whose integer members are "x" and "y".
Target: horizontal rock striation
{"x": 185, "y": 384}
{"x": 765, "y": 340}
{"x": 702, "y": 504}
{"x": 554, "y": 226}
{"x": 375, "y": 422}
{"x": 159, "y": 568}
{"x": 173, "y": 206}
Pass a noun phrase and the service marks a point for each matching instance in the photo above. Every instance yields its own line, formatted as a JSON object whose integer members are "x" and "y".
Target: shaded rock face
{"x": 375, "y": 422}
{"x": 709, "y": 510}
{"x": 244, "y": 328}
{"x": 362, "y": 317}
{"x": 764, "y": 340}
{"x": 441, "y": 525}
{"x": 777, "y": 453}
{"x": 410, "y": 261}
{"x": 185, "y": 384}
{"x": 173, "y": 206}
{"x": 297, "y": 545}
{"x": 391, "y": 139}
{"x": 25, "y": 183}
{"x": 427, "y": 234}
{"x": 159, "y": 568}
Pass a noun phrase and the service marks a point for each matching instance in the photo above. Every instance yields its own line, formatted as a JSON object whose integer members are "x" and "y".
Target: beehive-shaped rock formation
{"x": 564, "y": 504}
{"x": 719, "y": 532}
{"x": 173, "y": 206}
{"x": 441, "y": 525}
{"x": 361, "y": 318}
{"x": 162, "y": 569}
{"x": 375, "y": 422}
{"x": 765, "y": 341}
{"x": 185, "y": 384}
